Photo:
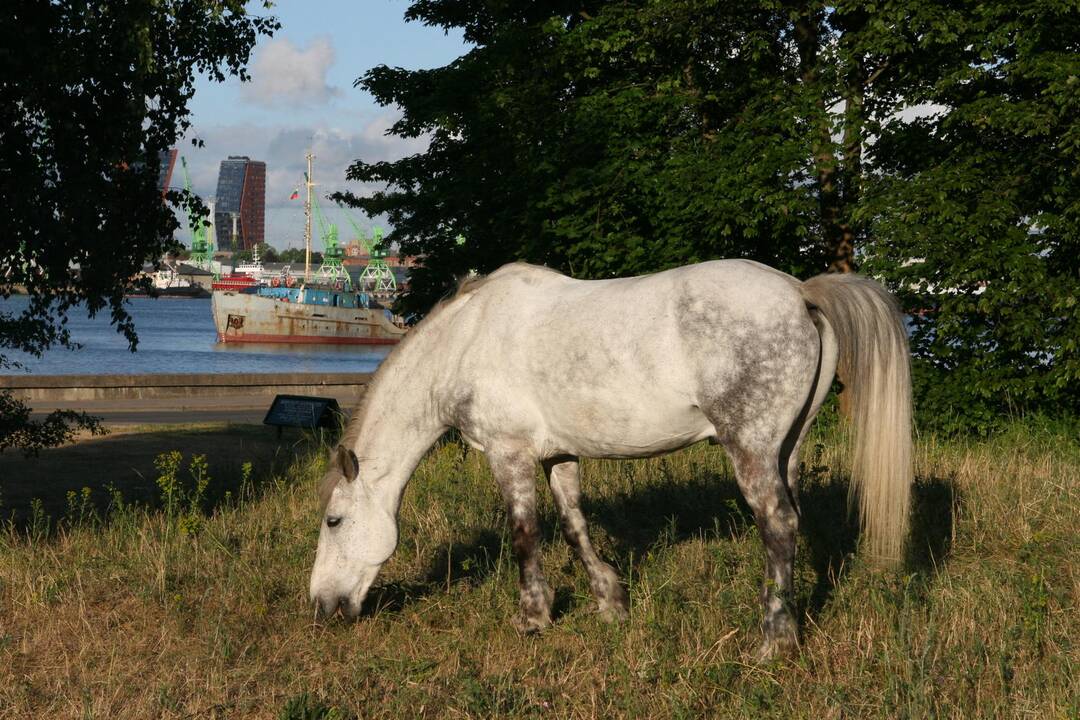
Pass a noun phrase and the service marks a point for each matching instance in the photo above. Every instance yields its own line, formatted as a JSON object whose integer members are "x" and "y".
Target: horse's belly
{"x": 599, "y": 431}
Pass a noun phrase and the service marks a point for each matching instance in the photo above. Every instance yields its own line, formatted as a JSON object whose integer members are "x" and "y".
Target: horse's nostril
{"x": 329, "y": 605}
{"x": 325, "y": 608}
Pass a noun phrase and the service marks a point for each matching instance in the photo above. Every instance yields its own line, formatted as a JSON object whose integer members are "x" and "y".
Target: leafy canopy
{"x": 933, "y": 142}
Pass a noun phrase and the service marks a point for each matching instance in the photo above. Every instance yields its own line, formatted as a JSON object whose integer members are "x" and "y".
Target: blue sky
{"x": 301, "y": 95}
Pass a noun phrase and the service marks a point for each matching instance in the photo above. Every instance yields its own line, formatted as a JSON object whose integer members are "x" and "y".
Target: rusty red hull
{"x": 234, "y": 282}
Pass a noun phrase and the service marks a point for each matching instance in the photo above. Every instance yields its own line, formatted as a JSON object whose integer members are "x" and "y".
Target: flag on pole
{"x": 295, "y": 193}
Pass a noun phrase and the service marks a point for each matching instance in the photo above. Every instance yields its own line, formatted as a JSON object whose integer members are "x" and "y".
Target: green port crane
{"x": 331, "y": 271}
{"x": 377, "y": 277}
{"x": 202, "y": 236}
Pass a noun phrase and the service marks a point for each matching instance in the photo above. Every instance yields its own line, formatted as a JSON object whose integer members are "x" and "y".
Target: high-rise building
{"x": 168, "y": 162}
{"x": 239, "y": 213}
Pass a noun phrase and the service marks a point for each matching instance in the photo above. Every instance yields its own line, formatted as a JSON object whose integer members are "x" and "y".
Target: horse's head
{"x": 358, "y": 534}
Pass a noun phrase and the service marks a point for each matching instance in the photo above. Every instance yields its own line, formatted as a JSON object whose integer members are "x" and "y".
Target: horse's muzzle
{"x": 328, "y": 607}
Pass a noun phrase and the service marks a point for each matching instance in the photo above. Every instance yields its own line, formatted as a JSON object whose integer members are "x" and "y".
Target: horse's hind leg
{"x": 515, "y": 472}
{"x": 611, "y": 598}
{"x": 789, "y": 454}
{"x": 758, "y": 475}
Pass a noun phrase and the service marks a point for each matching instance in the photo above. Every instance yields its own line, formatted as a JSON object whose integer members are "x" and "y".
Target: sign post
{"x": 303, "y": 412}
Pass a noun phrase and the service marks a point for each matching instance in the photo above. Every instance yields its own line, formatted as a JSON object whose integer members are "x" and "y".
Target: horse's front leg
{"x": 611, "y": 598}
{"x": 515, "y": 472}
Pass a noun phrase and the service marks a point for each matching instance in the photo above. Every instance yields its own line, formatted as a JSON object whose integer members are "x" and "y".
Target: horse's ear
{"x": 348, "y": 462}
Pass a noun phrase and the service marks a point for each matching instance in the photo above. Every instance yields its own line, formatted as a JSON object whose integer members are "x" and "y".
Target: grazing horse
{"x": 532, "y": 366}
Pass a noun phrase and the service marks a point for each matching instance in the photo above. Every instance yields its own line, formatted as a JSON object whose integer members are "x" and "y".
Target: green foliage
{"x": 91, "y": 95}
{"x": 305, "y": 707}
{"x": 614, "y": 138}
{"x": 295, "y": 256}
{"x": 168, "y": 482}
{"x": 80, "y": 508}
{"x": 593, "y": 143}
{"x": 267, "y": 253}
{"x": 17, "y": 430}
{"x": 37, "y": 529}
{"x": 183, "y": 501}
{"x": 976, "y": 214}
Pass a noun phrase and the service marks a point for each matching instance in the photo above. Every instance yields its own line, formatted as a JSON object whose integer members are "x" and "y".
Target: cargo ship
{"x": 303, "y": 315}
{"x": 323, "y": 308}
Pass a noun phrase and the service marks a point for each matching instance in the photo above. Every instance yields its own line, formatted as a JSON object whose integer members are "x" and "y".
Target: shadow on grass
{"x": 711, "y": 504}
{"x": 83, "y": 481}
{"x": 708, "y": 504}
{"x": 830, "y": 533}
{"x": 670, "y": 513}
{"x": 933, "y": 504}
{"x": 470, "y": 561}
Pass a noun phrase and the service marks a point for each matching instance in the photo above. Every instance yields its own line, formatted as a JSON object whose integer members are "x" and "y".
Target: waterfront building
{"x": 240, "y": 210}
{"x": 356, "y": 254}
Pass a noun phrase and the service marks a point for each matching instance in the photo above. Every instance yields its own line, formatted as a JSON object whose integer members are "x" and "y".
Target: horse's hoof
{"x": 615, "y": 608}
{"x": 612, "y": 613}
{"x": 531, "y": 625}
{"x": 534, "y": 609}
{"x": 776, "y": 649}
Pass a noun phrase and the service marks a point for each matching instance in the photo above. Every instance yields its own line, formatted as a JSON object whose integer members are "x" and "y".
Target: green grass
{"x": 202, "y": 612}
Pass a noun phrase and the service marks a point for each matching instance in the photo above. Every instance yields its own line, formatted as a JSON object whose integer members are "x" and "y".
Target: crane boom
{"x": 377, "y": 277}
{"x": 331, "y": 271}
{"x": 202, "y": 243}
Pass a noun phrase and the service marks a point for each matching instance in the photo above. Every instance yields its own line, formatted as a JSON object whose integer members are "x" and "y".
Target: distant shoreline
{"x": 192, "y": 295}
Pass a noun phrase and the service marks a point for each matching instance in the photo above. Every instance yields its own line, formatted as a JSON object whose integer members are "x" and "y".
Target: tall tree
{"x": 606, "y": 140}
{"x": 613, "y": 138}
{"x": 974, "y": 208}
{"x": 623, "y": 137}
{"x": 91, "y": 95}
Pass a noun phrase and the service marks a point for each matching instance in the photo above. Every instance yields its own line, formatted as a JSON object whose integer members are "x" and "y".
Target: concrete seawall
{"x": 242, "y": 397}
{"x": 73, "y": 388}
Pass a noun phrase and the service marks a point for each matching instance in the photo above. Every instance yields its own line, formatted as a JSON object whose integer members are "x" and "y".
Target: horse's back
{"x": 735, "y": 288}
{"x": 623, "y": 367}
{"x": 698, "y": 309}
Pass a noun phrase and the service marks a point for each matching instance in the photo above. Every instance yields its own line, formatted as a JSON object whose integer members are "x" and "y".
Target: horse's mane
{"x": 465, "y": 286}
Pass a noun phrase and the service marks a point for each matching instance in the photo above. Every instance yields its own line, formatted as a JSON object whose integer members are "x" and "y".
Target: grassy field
{"x": 124, "y": 459}
{"x": 198, "y": 608}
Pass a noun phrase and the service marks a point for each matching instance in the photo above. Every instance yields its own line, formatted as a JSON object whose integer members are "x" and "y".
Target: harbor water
{"x": 177, "y": 336}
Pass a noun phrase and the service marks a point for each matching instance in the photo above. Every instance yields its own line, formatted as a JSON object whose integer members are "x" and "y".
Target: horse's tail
{"x": 874, "y": 366}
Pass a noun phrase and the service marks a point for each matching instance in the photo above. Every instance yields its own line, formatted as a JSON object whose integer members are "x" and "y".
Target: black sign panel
{"x": 303, "y": 412}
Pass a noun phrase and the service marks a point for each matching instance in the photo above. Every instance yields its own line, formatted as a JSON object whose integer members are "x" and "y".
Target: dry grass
{"x": 134, "y": 617}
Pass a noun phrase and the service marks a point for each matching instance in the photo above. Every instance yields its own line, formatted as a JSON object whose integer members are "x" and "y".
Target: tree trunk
{"x": 854, "y": 92}
{"x": 843, "y": 251}
{"x": 838, "y": 237}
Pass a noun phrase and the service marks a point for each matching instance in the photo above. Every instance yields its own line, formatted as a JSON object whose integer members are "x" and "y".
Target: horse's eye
{"x": 333, "y": 521}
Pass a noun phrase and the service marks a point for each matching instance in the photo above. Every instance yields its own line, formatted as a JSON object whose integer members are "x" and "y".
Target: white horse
{"x": 532, "y": 366}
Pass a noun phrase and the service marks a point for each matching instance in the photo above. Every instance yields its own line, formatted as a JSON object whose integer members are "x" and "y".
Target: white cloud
{"x": 284, "y": 75}
{"x": 283, "y": 149}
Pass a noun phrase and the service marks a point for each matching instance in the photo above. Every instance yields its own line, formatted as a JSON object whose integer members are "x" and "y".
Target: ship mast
{"x": 307, "y": 220}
